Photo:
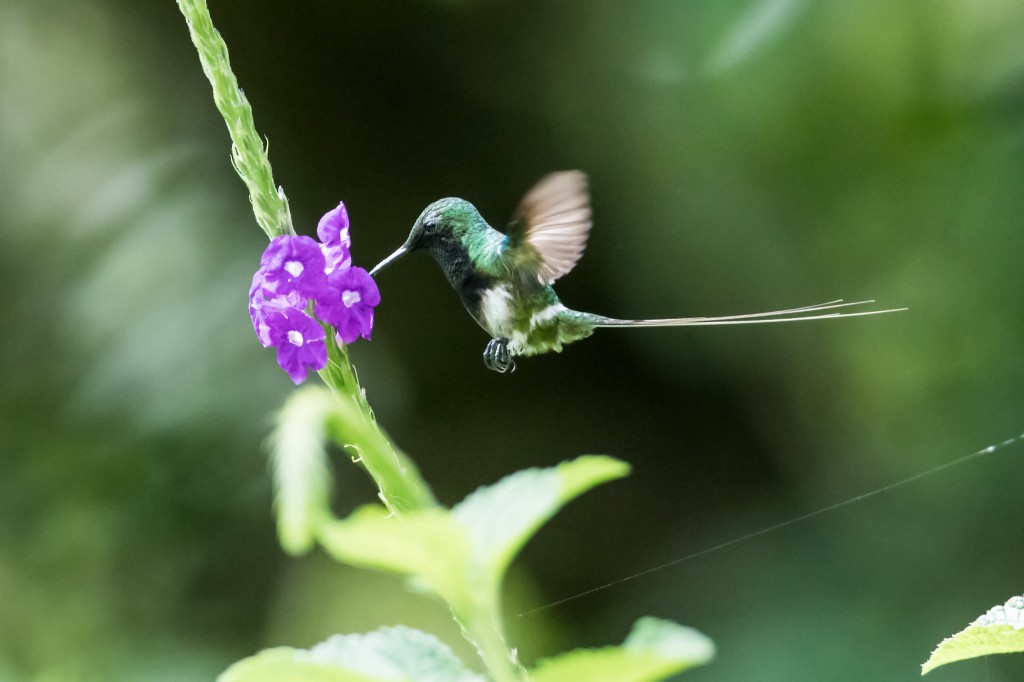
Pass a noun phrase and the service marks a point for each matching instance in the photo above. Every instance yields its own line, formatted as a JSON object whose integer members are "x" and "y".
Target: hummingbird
{"x": 504, "y": 279}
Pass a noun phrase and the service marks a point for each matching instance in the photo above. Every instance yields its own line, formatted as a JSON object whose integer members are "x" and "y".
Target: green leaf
{"x": 289, "y": 665}
{"x": 396, "y": 653}
{"x": 443, "y": 549}
{"x": 302, "y": 480}
{"x": 502, "y": 517}
{"x": 654, "y": 650}
{"x": 1000, "y": 630}
{"x": 426, "y": 544}
{"x": 388, "y": 654}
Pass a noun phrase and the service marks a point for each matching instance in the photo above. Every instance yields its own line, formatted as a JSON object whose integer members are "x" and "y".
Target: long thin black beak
{"x": 390, "y": 259}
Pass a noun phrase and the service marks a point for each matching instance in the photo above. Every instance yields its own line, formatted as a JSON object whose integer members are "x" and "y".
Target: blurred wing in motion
{"x": 550, "y": 227}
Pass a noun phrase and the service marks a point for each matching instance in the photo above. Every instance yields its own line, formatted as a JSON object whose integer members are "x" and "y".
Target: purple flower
{"x": 350, "y": 305}
{"x": 299, "y": 340}
{"x": 334, "y": 233}
{"x": 297, "y": 270}
{"x": 294, "y": 264}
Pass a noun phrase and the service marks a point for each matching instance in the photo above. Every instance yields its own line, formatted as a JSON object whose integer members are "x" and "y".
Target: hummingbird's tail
{"x": 811, "y": 312}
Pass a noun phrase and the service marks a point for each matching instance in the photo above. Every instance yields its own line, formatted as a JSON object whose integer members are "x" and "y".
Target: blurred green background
{"x": 744, "y": 155}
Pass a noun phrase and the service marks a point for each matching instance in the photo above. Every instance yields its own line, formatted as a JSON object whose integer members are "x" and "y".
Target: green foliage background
{"x": 744, "y": 156}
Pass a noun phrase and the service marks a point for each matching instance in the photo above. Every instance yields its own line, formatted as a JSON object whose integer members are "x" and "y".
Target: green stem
{"x": 248, "y": 152}
{"x": 482, "y": 627}
{"x": 402, "y": 488}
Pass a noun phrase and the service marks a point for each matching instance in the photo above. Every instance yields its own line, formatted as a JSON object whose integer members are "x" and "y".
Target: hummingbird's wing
{"x": 550, "y": 227}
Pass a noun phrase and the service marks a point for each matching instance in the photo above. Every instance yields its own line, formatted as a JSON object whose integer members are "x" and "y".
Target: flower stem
{"x": 248, "y": 152}
{"x": 482, "y": 627}
{"x": 401, "y": 487}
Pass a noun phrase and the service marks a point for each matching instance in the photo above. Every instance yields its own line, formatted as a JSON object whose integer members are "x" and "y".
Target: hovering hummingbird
{"x": 504, "y": 280}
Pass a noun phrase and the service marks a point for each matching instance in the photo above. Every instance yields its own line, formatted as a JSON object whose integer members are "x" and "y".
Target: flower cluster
{"x": 297, "y": 270}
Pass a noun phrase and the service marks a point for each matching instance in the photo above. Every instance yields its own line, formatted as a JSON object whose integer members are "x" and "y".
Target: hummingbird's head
{"x": 441, "y": 225}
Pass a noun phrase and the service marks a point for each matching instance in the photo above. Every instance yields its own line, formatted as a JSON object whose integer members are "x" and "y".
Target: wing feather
{"x": 550, "y": 227}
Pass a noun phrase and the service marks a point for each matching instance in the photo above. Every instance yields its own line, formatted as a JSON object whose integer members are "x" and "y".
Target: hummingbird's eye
{"x": 429, "y": 226}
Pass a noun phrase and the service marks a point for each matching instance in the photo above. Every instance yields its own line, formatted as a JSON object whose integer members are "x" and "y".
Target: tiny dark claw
{"x": 497, "y": 357}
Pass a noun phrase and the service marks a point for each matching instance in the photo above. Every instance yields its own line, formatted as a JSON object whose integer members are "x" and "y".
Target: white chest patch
{"x": 498, "y": 315}
{"x": 496, "y": 309}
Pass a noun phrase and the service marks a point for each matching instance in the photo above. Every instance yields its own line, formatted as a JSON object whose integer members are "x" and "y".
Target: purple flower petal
{"x": 295, "y": 264}
{"x": 265, "y": 301}
{"x": 256, "y": 309}
{"x": 333, "y": 231}
{"x": 350, "y": 306}
{"x": 259, "y": 318}
{"x": 337, "y": 256}
{"x": 333, "y": 227}
{"x": 300, "y": 343}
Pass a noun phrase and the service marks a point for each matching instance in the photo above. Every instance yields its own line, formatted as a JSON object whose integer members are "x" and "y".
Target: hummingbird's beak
{"x": 390, "y": 259}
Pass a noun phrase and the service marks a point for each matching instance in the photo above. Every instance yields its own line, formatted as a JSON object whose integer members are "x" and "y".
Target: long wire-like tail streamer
{"x": 748, "y": 318}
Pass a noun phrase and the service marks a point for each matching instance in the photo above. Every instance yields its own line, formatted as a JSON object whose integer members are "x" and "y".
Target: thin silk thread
{"x": 988, "y": 450}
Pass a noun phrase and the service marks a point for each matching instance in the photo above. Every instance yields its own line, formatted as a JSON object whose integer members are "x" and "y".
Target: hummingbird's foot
{"x": 497, "y": 357}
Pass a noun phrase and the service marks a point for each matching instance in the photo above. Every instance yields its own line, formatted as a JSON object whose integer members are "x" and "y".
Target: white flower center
{"x": 294, "y": 268}
{"x": 350, "y": 298}
{"x": 295, "y": 338}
